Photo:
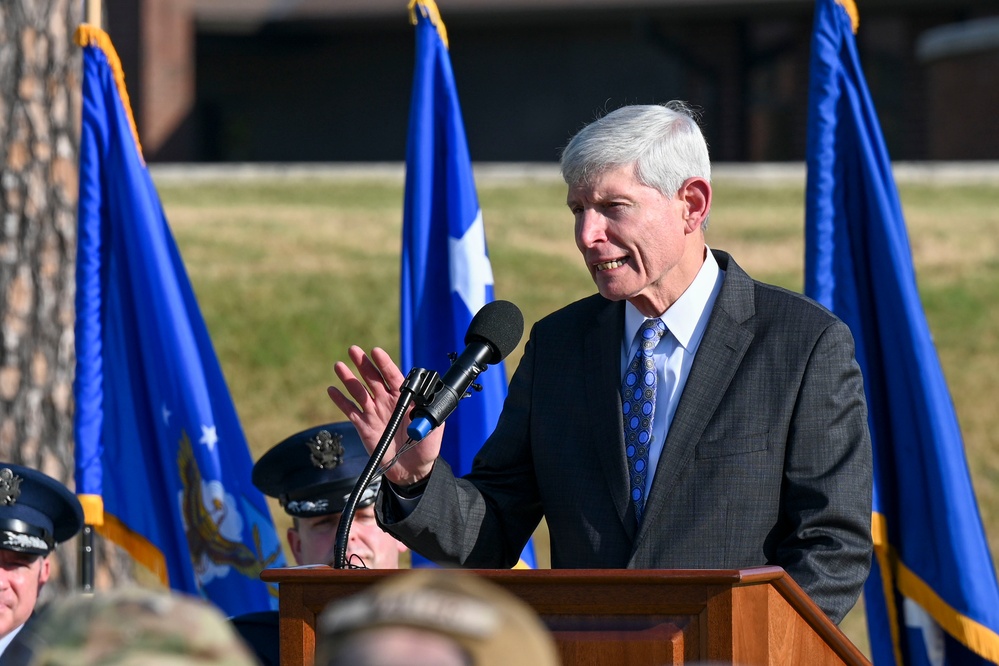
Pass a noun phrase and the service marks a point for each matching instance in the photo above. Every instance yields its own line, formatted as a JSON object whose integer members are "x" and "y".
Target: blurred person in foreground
{"x": 134, "y": 627}
{"x": 686, "y": 416}
{"x": 36, "y": 513}
{"x": 312, "y": 473}
{"x": 433, "y": 618}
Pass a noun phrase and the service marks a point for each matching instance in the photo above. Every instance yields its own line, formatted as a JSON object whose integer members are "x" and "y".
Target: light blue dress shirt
{"x": 685, "y": 322}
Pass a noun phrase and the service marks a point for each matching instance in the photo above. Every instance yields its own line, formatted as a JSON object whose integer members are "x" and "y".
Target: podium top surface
{"x": 731, "y": 577}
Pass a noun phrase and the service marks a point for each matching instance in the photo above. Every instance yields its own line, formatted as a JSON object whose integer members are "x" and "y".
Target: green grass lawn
{"x": 289, "y": 273}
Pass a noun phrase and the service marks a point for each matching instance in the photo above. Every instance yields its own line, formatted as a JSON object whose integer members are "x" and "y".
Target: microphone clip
{"x": 423, "y": 384}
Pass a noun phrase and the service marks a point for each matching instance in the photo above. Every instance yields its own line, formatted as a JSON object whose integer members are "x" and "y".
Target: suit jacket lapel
{"x": 721, "y": 350}
{"x": 603, "y": 393}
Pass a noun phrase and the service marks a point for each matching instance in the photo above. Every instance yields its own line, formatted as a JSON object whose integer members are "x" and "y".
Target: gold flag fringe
{"x": 851, "y": 9}
{"x": 89, "y": 35}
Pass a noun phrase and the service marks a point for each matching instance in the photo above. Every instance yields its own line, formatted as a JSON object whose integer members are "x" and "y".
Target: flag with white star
{"x": 162, "y": 465}
{"x": 446, "y": 273}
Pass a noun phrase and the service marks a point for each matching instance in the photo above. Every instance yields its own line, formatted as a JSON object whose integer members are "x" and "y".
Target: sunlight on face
{"x": 638, "y": 245}
{"x": 313, "y": 540}
{"x": 22, "y": 576}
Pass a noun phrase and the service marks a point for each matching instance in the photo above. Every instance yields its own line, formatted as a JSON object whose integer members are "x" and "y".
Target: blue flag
{"x": 446, "y": 273}
{"x": 162, "y": 466}
{"x": 932, "y": 596}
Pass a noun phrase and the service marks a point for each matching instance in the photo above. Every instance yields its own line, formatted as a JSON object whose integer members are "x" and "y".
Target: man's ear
{"x": 696, "y": 196}
{"x": 44, "y": 571}
{"x": 295, "y": 542}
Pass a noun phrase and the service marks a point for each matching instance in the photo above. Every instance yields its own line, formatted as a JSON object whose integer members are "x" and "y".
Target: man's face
{"x": 637, "y": 244}
{"x": 22, "y": 576}
{"x": 313, "y": 540}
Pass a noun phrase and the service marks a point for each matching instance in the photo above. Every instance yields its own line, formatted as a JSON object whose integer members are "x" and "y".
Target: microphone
{"x": 493, "y": 333}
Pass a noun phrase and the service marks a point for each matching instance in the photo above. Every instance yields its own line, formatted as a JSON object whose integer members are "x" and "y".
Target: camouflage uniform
{"x": 136, "y": 628}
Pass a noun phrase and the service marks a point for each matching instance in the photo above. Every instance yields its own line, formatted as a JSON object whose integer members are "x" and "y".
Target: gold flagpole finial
{"x": 429, "y": 9}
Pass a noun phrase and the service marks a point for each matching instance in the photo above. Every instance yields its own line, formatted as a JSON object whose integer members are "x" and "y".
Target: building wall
{"x": 962, "y": 65}
{"x": 963, "y": 96}
{"x": 155, "y": 42}
{"x": 338, "y": 90}
{"x": 524, "y": 89}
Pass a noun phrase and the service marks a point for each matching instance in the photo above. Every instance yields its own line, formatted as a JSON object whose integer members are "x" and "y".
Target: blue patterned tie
{"x": 638, "y": 397}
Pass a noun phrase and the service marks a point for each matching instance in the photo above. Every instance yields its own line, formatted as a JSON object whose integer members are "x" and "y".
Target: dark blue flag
{"x": 932, "y": 596}
{"x": 162, "y": 466}
{"x": 446, "y": 273}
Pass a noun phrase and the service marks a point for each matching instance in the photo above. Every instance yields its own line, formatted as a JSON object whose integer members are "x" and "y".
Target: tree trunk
{"x": 39, "y": 145}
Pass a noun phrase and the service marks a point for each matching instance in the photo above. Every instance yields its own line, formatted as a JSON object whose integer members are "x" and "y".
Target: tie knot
{"x": 651, "y": 332}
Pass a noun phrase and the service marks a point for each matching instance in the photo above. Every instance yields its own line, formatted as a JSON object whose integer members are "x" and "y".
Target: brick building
{"x": 329, "y": 80}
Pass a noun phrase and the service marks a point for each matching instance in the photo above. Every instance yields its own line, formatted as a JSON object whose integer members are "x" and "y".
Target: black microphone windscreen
{"x": 499, "y": 324}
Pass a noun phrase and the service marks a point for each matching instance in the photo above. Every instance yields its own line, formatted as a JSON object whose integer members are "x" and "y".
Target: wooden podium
{"x": 620, "y": 617}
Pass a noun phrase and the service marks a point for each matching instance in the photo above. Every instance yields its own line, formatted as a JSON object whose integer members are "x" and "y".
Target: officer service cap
{"x": 313, "y": 472}
{"x": 36, "y": 511}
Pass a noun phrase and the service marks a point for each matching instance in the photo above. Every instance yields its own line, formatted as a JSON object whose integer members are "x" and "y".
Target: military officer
{"x": 312, "y": 473}
{"x": 36, "y": 513}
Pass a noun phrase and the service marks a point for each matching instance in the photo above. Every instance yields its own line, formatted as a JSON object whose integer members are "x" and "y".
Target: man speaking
{"x": 686, "y": 416}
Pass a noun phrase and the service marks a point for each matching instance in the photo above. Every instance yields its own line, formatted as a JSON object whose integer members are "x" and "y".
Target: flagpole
{"x": 87, "y": 559}
{"x": 93, "y": 12}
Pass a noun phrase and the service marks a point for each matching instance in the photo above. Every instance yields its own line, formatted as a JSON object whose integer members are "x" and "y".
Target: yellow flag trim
{"x": 879, "y": 532}
{"x": 89, "y": 35}
{"x": 93, "y": 509}
{"x": 978, "y": 638}
{"x": 112, "y": 529}
{"x": 851, "y": 9}
{"x": 429, "y": 9}
{"x": 141, "y": 550}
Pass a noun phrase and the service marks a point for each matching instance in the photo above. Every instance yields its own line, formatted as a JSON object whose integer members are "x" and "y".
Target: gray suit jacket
{"x": 767, "y": 460}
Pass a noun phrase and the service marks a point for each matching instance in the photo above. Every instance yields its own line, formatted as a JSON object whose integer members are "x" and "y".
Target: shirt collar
{"x": 682, "y": 318}
{"x": 5, "y": 641}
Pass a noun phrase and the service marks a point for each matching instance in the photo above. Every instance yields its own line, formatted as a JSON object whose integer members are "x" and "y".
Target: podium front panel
{"x": 626, "y": 617}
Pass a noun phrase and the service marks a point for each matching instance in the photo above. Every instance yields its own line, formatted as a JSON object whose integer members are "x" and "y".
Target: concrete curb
{"x": 762, "y": 173}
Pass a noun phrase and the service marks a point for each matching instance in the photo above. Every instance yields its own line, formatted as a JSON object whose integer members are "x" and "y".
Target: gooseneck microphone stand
{"x": 419, "y": 387}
